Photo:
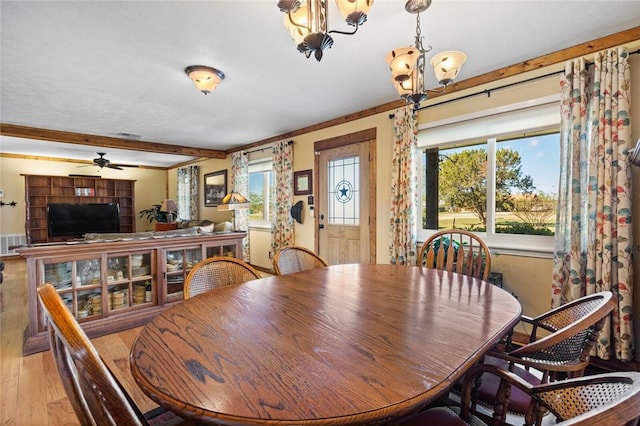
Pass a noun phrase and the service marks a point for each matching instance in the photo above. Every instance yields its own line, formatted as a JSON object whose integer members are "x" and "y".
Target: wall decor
{"x": 302, "y": 182}
{"x": 215, "y": 188}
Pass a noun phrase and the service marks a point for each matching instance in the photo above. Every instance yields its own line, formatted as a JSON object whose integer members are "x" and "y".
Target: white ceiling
{"x": 112, "y": 67}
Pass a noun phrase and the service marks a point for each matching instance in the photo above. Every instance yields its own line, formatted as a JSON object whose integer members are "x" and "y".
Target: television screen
{"x": 75, "y": 220}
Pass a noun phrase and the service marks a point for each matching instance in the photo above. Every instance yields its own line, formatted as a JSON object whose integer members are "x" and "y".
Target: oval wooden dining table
{"x": 345, "y": 344}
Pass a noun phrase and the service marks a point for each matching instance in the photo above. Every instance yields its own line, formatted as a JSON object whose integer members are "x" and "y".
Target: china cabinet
{"x": 114, "y": 285}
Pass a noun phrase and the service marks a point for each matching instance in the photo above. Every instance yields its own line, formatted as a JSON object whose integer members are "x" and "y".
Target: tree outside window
{"x": 524, "y": 172}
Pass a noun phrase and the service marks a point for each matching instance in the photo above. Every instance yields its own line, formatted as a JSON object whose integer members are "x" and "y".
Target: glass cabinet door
{"x": 130, "y": 280}
{"x": 223, "y": 250}
{"x": 178, "y": 264}
{"x": 79, "y": 283}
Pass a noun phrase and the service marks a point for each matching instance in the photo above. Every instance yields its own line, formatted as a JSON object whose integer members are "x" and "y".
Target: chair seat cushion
{"x": 162, "y": 417}
{"x": 519, "y": 401}
{"x": 441, "y": 416}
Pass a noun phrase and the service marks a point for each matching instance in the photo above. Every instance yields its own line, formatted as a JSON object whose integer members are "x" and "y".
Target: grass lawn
{"x": 465, "y": 220}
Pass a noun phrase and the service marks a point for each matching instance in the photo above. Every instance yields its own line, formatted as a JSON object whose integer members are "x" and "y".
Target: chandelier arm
{"x": 345, "y": 32}
{"x": 441, "y": 90}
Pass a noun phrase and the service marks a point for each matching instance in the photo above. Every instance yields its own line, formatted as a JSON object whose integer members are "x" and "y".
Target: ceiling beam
{"x": 105, "y": 141}
{"x": 584, "y": 49}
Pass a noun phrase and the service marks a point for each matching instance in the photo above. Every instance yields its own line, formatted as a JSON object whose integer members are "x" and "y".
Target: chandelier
{"x": 407, "y": 63}
{"x": 307, "y": 22}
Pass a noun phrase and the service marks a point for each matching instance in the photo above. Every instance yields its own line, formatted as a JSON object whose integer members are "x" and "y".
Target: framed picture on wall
{"x": 302, "y": 183}
{"x": 215, "y": 188}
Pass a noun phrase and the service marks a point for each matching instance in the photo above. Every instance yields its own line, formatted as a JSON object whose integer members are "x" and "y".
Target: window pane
{"x": 527, "y": 173}
{"x": 344, "y": 191}
{"x": 455, "y": 185}
{"x": 462, "y": 187}
{"x": 256, "y": 195}
{"x": 260, "y": 184}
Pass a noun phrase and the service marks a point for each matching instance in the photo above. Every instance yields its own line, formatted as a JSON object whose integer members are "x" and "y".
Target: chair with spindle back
{"x": 456, "y": 250}
{"x": 215, "y": 272}
{"x": 96, "y": 395}
{"x": 292, "y": 259}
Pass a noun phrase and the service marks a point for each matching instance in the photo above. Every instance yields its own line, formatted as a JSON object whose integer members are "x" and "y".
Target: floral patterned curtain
{"x": 240, "y": 184}
{"x": 404, "y": 190}
{"x": 594, "y": 240}
{"x": 282, "y": 227}
{"x": 187, "y": 197}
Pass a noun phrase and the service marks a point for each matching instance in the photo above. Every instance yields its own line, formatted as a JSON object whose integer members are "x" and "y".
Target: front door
{"x": 346, "y": 200}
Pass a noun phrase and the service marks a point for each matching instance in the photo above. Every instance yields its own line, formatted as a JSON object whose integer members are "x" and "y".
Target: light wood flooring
{"x": 31, "y": 392}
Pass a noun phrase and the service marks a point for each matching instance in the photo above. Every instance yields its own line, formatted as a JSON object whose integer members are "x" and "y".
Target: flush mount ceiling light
{"x": 407, "y": 63}
{"x": 205, "y": 78}
{"x": 307, "y": 22}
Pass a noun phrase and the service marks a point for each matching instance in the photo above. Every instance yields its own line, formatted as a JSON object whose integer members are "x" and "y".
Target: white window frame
{"x": 256, "y": 166}
{"x": 513, "y": 120}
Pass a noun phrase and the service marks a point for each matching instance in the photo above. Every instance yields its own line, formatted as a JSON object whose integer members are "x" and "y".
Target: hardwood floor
{"x": 31, "y": 392}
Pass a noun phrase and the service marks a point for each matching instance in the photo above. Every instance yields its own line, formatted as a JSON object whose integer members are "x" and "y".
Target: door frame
{"x": 368, "y": 135}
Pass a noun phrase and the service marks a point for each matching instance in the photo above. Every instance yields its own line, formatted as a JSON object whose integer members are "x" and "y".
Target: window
{"x": 502, "y": 185}
{"x": 260, "y": 186}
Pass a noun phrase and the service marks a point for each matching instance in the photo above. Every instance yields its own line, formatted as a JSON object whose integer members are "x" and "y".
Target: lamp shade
{"x": 447, "y": 65}
{"x": 301, "y": 30}
{"x": 401, "y": 62}
{"x": 205, "y": 78}
{"x": 168, "y": 206}
{"x": 354, "y": 11}
{"x": 234, "y": 201}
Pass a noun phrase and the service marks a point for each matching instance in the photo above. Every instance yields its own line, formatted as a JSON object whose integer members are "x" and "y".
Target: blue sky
{"x": 540, "y": 159}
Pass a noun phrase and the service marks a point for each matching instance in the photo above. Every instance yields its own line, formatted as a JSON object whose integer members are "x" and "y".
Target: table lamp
{"x": 169, "y": 206}
{"x": 234, "y": 201}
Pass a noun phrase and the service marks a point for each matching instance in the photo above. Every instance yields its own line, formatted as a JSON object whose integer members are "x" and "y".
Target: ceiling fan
{"x": 103, "y": 162}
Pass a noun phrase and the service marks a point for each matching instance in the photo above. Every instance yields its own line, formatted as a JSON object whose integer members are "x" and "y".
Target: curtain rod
{"x": 263, "y": 148}
{"x": 488, "y": 91}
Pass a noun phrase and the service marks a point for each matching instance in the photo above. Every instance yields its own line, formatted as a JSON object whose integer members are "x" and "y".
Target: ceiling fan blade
{"x": 115, "y": 166}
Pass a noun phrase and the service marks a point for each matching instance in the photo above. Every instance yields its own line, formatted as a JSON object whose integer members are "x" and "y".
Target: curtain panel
{"x": 282, "y": 226}
{"x": 404, "y": 188}
{"x": 594, "y": 241}
{"x": 240, "y": 184}
{"x": 188, "y": 193}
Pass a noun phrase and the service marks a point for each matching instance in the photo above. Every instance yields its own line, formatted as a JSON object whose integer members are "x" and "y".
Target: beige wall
{"x": 206, "y": 166}
{"x": 151, "y": 187}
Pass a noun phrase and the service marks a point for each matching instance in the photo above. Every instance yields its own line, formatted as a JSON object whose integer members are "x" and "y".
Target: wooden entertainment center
{"x": 113, "y": 285}
{"x": 41, "y": 190}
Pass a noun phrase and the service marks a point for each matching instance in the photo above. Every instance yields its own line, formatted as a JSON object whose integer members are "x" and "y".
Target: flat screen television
{"x": 75, "y": 220}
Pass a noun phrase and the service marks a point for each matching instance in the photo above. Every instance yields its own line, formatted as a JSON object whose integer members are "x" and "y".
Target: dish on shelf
{"x": 143, "y": 270}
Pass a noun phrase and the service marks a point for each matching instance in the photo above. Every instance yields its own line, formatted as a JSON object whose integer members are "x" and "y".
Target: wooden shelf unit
{"x": 41, "y": 190}
{"x": 101, "y": 282}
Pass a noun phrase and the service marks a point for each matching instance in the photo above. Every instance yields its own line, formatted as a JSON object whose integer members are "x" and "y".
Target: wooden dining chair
{"x": 216, "y": 272}
{"x": 290, "y": 259}
{"x": 456, "y": 250}
{"x": 571, "y": 332}
{"x": 95, "y": 394}
{"x": 610, "y": 399}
